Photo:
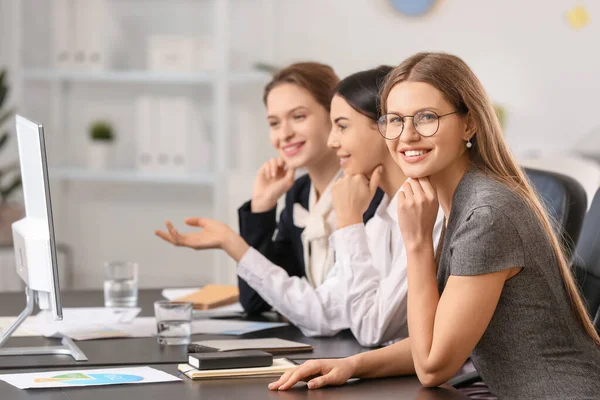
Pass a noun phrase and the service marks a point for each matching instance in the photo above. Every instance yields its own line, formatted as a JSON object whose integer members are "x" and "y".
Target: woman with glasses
{"x": 498, "y": 288}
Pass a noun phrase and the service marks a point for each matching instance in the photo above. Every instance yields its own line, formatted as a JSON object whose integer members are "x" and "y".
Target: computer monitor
{"x": 34, "y": 243}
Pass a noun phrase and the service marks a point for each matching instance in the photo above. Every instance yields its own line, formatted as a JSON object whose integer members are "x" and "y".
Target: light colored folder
{"x": 280, "y": 365}
{"x": 211, "y": 296}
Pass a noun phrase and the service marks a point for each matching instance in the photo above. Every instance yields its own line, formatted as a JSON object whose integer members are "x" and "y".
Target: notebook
{"x": 270, "y": 345}
{"x": 212, "y": 296}
{"x": 280, "y": 365}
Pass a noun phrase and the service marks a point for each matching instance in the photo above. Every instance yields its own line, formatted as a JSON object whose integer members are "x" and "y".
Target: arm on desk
{"x": 393, "y": 360}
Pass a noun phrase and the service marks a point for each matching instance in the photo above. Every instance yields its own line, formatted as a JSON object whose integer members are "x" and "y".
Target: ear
{"x": 470, "y": 128}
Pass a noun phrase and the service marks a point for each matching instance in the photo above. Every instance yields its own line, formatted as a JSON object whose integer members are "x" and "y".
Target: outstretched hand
{"x": 212, "y": 236}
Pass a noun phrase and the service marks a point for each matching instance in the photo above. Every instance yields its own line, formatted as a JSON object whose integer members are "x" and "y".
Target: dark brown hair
{"x": 319, "y": 79}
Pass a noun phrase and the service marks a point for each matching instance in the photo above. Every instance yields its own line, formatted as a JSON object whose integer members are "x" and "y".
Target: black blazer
{"x": 285, "y": 250}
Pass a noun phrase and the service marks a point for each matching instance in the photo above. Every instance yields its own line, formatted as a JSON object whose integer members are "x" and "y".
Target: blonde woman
{"x": 499, "y": 288}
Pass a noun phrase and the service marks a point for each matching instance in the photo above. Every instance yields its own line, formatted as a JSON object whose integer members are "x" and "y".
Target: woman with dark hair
{"x": 371, "y": 258}
{"x": 366, "y": 288}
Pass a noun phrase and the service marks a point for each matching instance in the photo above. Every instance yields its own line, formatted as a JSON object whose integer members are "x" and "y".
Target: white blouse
{"x": 364, "y": 291}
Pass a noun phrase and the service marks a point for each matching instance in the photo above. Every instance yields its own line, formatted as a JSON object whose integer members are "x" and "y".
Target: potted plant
{"x": 101, "y": 137}
{"x": 10, "y": 179}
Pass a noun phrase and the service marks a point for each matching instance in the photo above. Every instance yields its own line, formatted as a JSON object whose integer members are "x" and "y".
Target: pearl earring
{"x": 469, "y": 144}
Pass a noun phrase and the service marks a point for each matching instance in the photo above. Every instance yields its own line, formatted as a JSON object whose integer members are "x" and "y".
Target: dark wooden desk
{"x": 146, "y": 352}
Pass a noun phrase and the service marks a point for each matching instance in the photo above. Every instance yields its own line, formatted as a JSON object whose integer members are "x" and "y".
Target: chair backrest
{"x": 566, "y": 203}
{"x": 585, "y": 171}
{"x": 587, "y": 259}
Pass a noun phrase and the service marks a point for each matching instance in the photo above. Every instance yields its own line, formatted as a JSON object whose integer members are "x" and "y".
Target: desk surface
{"x": 148, "y": 353}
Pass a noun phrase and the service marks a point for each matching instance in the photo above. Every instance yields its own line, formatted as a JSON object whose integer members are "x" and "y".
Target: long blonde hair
{"x": 451, "y": 76}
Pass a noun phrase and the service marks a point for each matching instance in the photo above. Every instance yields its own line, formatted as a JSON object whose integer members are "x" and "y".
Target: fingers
{"x": 375, "y": 179}
{"x": 173, "y": 232}
{"x": 290, "y": 175}
{"x": 273, "y": 168}
{"x": 290, "y": 378}
{"x": 164, "y": 236}
{"x": 321, "y": 381}
{"x": 428, "y": 188}
{"x": 195, "y": 221}
{"x": 284, "y": 378}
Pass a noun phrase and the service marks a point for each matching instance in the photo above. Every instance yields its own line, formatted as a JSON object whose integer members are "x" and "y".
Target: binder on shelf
{"x": 64, "y": 27}
{"x": 146, "y": 130}
{"x": 79, "y": 34}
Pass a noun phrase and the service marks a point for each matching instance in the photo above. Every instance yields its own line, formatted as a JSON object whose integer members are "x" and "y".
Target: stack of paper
{"x": 280, "y": 365}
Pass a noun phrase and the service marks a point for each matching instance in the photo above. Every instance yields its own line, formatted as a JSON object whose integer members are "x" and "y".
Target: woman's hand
{"x": 352, "y": 195}
{"x": 317, "y": 373}
{"x": 417, "y": 211}
{"x": 214, "y": 235}
{"x": 272, "y": 181}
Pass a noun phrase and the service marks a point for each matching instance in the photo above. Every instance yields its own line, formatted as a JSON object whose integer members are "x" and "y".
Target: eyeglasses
{"x": 426, "y": 124}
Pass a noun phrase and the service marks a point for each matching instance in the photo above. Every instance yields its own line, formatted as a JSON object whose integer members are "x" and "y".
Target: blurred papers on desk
{"x": 25, "y": 330}
{"x": 77, "y": 320}
{"x": 88, "y": 377}
{"x": 146, "y": 327}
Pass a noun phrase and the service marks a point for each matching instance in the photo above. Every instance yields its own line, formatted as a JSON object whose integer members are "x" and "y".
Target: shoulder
{"x": 481, "y": 194}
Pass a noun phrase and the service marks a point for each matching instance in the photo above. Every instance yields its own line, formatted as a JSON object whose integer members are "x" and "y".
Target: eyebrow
{"x": 420, "y": 109}
{"x": 338, "y": 119}
{"x": 289, "y": 112}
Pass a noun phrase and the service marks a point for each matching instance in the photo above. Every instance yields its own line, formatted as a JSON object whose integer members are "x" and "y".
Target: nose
{"x": 285, "y": 132}
{"x": 333, "y": 142}
{"x": 410, "y": 134}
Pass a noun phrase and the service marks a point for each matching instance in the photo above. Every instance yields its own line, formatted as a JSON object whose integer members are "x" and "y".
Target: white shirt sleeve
{"x": 376, "y": 307}
{"x": 315, "y": 311}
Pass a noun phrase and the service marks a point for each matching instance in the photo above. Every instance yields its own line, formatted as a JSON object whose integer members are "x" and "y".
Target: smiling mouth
{"x": 343, "y": 160}
{"x": 415, "y": 153}
{"x": 293, "y": 149}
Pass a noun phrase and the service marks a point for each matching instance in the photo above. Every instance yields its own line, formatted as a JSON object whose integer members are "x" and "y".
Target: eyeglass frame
{"x": 412, "y": 116}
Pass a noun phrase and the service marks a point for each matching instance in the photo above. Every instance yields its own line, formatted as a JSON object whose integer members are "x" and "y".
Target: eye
{"x": 299, "y": 117}
{"x": 394, "y": 119}
{"x": 273, "y": 124}
{"x": 342, "y": 127}
{"x": 427, "y": 116}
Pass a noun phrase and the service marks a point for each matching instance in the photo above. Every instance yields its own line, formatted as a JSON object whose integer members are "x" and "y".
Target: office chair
{"x": 587, "y": 260}
{"x": 566, "y": 203}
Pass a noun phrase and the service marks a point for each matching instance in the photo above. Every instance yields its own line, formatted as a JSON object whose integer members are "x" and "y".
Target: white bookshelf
{"x": 131, "y": 176}
{"x": 218, "y": 84}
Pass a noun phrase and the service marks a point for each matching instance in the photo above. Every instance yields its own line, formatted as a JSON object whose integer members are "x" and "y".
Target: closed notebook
{"x": 270, "y": 345}
{"x": 211, "y": 296}
{"x": 280, "y": 365}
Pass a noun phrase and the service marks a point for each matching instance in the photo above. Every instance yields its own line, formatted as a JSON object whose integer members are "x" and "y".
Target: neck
{"x": 446, "y": 181}
{"x": 392, "y": 178}
{"x": 322, "y": 173}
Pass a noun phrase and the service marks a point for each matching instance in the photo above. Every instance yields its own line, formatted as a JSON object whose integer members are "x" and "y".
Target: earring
{"x": 469, "y": 144}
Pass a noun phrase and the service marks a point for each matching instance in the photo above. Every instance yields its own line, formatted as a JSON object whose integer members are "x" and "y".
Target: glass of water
{"x": 120, "y": 284}
{"x": 173, "y": 321}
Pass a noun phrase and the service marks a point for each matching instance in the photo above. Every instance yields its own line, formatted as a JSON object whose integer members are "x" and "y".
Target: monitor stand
{"x": 67, "y": 346}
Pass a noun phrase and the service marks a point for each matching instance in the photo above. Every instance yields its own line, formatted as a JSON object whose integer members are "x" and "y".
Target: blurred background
{"x": 153, "y": 109}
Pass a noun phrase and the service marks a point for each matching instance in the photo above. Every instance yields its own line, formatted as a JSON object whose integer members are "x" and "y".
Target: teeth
{"x": 414, "y": 153}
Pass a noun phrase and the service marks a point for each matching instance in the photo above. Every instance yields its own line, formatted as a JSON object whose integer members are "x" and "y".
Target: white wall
{"x": 528, "y": 57}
